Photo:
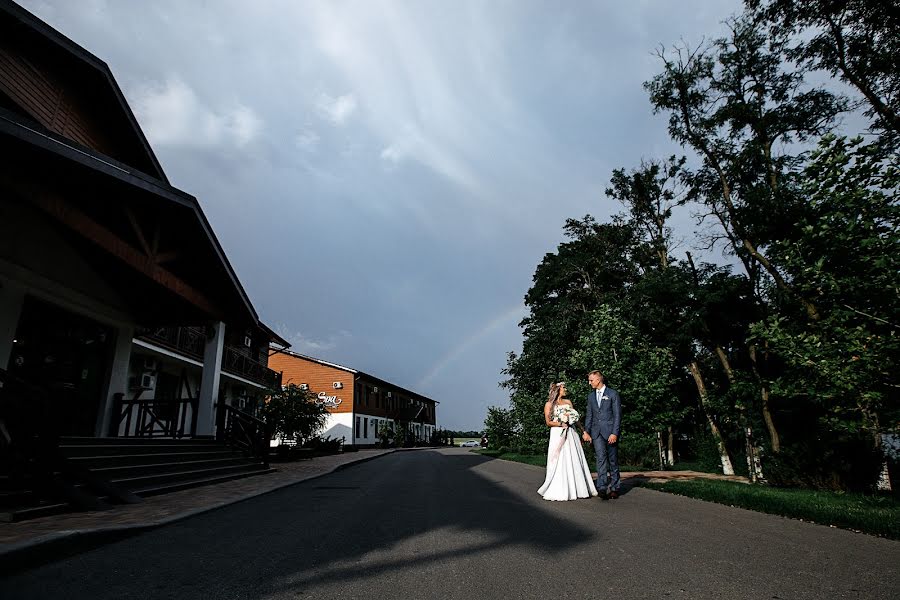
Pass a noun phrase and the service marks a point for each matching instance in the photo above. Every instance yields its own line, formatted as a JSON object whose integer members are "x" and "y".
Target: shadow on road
{"x": 399, "y": 516}
{"x": 450, "y": 509}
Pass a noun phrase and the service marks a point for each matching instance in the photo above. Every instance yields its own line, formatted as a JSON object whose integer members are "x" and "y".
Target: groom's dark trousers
{"x": 604, "y": 416}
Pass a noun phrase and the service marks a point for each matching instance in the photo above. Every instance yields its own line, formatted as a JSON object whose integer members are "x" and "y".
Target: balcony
{"x": 191, "y": 341}
{"x": 235, "y": 363}
{"x": 187, "y": 341}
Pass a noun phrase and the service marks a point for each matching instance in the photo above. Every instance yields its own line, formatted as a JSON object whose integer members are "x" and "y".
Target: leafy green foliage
{"x": 846, "y": 253}
{"x": 643, "y": 374}
{"x": 802, "y": 343}
{"x": 500, "y": 427}
{"x": 293, "y": 414}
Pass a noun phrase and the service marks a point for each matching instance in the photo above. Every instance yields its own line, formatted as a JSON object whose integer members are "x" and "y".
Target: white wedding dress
{"x": 568, "y": 475}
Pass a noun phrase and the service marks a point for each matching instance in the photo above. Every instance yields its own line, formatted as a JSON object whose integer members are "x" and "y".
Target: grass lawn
{"x": 877, "y": 515}
{"x": 528, "y": 459}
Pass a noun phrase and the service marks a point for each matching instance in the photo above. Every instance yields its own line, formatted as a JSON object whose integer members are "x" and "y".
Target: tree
{"x": 857, "y": 41}
{"x": 642, "y": 373}
{"x": 595, "y": 265}
{"x": 847, "y": 255}
{"x": 733, "y": 103}
{"x": 663, "y": 298}
{"x": 500, "y": 427}
{"x": 292, "y": 413}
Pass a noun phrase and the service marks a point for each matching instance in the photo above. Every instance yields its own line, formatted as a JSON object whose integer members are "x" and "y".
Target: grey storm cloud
{"x": 385, "y": 176}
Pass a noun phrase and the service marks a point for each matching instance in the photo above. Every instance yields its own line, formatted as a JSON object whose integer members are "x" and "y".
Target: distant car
{"x": 469, "y": 444}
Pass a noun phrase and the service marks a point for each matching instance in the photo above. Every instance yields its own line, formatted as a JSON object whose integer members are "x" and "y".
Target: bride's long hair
{"x": 553, "y": 395}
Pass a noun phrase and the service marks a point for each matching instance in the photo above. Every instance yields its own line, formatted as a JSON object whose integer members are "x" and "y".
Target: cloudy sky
{"x": 385, "y": 176}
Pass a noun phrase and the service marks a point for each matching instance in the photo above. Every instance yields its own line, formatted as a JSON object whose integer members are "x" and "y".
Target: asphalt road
{"x": 450, "y": 524}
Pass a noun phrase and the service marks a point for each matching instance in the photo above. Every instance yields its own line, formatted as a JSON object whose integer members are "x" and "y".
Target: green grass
{"x": 700, "y": 467}
{"x": 877, "y": 515}
{"x": 528, "y": 459}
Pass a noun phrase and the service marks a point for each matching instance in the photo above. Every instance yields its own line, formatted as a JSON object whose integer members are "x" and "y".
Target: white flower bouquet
{"x": 566, "y": 415}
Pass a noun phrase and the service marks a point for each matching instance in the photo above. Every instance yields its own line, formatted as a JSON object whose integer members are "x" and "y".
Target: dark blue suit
{"x": 604, "y": 416}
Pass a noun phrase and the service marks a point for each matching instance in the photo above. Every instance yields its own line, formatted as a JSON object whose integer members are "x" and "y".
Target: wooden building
{"x": 119, "y": 310}
{"x": 359, "y": 404}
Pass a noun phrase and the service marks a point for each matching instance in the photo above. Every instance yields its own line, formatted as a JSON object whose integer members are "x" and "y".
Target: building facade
{"x": 116, "y": 298}
{"x": 359, "y": 405}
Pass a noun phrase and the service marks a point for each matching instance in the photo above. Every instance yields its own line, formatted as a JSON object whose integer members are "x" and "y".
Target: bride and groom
{"x": 568, "y": 476}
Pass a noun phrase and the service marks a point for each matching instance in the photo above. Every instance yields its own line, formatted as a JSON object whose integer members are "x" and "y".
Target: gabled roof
{"x": 360, "y": 374}
{"x": 96, "y": 72}
{"x": 32, "y": 138}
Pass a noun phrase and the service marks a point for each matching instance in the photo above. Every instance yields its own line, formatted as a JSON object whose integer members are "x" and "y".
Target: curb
{"x": 21, "y": 556}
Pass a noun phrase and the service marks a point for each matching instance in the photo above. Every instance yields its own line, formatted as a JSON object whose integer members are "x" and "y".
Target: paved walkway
{"x": 161, "y": 510}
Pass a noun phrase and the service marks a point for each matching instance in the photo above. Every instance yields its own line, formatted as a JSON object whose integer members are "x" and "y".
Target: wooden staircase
{"x": 140, "y": 466}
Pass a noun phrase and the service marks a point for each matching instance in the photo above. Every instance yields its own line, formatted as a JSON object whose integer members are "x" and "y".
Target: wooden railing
{"x": 244, "y": 432}
{"x": 243, "y": 366}
{"x": 188, "y": 341}
{"x": 154, "y": 418}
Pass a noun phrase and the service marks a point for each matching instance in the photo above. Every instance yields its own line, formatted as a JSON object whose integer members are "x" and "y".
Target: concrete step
{"x": 131, "y": 471}
{"x": 110, "y": 449}
{"x": 41, "y": 509}
{"x": 149, "y": 458}
{"x": 133, "y": 441}
{"x": 178, "y": 486}
{"x": 137, "y": 484}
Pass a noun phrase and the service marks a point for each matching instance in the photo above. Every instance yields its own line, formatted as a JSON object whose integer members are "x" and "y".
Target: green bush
{"x": 325, "y": 445}
{"x": 837, "y": 463}
{"x": 638, "y": 450}
{"x": 293, "y": 414}
{"x": 702, "y": 452}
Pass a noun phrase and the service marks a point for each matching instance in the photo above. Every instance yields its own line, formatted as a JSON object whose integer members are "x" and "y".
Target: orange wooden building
{"x": 360, "y": 405}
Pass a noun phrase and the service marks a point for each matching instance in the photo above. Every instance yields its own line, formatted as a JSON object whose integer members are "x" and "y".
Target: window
{"x": 357, "y": 426}
{"x": 365, "y": 427}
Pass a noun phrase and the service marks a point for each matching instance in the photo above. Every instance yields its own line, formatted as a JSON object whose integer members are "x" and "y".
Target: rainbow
{"x": 516, "y": 313}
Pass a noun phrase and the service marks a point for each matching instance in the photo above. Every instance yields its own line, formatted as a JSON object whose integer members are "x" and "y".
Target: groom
{"x": 604, "y": 415}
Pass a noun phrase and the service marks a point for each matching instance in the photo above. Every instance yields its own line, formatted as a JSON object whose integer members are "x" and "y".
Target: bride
{"x": 568, "y": 475}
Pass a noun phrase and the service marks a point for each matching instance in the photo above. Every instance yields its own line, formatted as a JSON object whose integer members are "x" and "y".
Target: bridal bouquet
{"x": 566, "y": 414}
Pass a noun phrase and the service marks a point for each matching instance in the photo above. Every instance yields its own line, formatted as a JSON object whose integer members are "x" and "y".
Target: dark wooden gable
{"x": 49, "y": 79}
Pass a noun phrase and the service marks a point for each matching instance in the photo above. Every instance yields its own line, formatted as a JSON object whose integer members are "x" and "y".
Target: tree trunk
{"x": 660, "y": 452}
{"x": 671, "y": 447}
{"x": 727, "y": 468}
{"x": 774, "y": 438}
{"x": 754, "y": 465}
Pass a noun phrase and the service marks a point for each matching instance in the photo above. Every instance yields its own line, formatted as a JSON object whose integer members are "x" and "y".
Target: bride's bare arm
{"x": 547, "y": 420}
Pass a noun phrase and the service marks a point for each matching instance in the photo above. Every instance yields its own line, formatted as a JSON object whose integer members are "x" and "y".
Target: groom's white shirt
{"x": 600, "y": 391}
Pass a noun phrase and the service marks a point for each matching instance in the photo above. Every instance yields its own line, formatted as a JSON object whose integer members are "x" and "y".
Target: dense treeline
{"x": 783, "y": 367}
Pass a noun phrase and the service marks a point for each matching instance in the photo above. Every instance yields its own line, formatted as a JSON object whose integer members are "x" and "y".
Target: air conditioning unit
{"x": 375, "y": 390}
{"x": 150, "y": 364}
{"x": 247, "y": 341}
{"x": 337, "y": 385}
{"x": 304, "y": 386}
{"x": 144, "y": 381}
{"x": 148, "y": 380}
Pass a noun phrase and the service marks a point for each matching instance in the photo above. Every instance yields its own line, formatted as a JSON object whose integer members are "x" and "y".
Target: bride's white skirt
{"x": 568, "y": 475}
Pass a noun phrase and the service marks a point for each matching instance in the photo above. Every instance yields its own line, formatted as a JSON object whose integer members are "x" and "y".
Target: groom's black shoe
{"x": 603, "y": 495}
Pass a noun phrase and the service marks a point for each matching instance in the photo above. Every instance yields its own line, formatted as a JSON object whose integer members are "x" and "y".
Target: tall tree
{"x": 595, "y": 265}
{"x": 650, "y": 194}
{"x": 857, "y": 41}
{"x": 847, "y": 254}
{"x": 733, "y": 103}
